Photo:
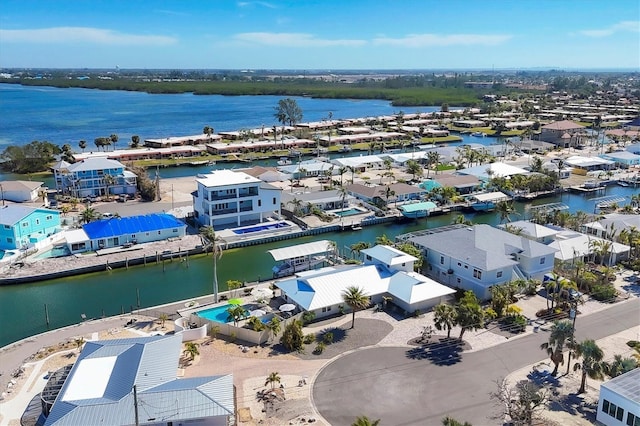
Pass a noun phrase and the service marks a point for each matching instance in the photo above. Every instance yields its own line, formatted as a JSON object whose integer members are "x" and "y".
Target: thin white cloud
{"x": 623, "y": 26}
{"x": 256, "y": 3}
{"x": 82, "y": 35}
{"x": 294, "y": 40}
{"x": 171, "y": 12}
{"x": 436, "y": 40}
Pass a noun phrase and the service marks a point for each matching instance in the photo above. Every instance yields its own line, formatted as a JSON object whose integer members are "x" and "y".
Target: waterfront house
{"x": 463, "y": 184}
{"x": 22, "y": 227}
{"x": 574, "y": 246}
{"x": 563, "y": 134}
{"x": 398, "y": 192}
{"x": 227, "y": 199}
{"x": 304, "y": 202}
{"x": 386, "y": 271}
{"x": 87, "y": 178}
{"x": 135, "y": 381}
{"x": 485, "y": 172}
{"x": 588, "y": 165}
{"x": 360, "y": 163}
{"x": 119, "y": 231}
{"x": 309, "y": 168}
{"x": 612, "y": 224}
{"x": 533, "y": 231}
{"x": 480, "y": 256}
{"x": 619, "y": 401}
{"x": 20, "y": 191}
{"x": 623, "y": 159}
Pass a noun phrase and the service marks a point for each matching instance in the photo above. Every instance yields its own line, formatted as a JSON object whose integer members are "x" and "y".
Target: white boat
{"x": 623, "y": 183}
{"x": 345, "y": 148}
{"x": 590, "y": 184}
{"x": 478, "y": 134}
{"x": 301, "y": 257}
{"x": 284, "y": 161}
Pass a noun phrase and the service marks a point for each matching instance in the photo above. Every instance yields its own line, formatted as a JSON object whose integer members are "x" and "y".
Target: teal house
{"x": 23, "y": 227}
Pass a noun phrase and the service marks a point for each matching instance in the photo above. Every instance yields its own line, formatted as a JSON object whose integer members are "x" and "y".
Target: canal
{"x": 22, "y": 307}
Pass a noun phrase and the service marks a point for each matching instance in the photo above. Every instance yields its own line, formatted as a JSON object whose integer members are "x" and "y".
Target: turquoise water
{"x": 349, "y": 212}
{"x": 54, "y": 252}
{"x": 259, "y": 228}
{"x": 217, "y": 314}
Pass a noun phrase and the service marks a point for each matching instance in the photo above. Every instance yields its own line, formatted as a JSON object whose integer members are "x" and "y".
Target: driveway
{"x": 401, "y": 387}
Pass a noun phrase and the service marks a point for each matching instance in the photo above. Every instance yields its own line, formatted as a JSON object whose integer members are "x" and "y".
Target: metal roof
{"x": 99, "y": 163}
{"x": 116, "y": 226}
{"x": 307, "y": 249}
{"x": 12, "y": 214}
{"x": 626, "y": 385}
{"x": 416, "y": 207}
{"x": 20, "y": 185}
{"x": 388, "y": 255}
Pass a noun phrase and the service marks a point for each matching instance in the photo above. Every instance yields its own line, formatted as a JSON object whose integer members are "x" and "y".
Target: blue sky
{"x": 320, "y": 34}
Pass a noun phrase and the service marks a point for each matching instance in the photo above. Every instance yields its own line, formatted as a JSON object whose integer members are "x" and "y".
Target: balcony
{"x": 252, "y": 193}
{"x": 217, "y": 197}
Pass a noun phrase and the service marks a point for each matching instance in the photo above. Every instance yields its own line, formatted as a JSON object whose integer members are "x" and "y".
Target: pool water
{"x": 348, "y": 212}
{"x": 261, "y": 228}
{"x": 217, "y": 314}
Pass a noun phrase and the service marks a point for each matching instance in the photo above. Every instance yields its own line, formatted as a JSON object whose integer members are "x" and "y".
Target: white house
{"x": 20, "y": 191}
{"x": 116, "y": 231}
{"x": 480, "y": 256}
{"x": 612, "y": 223}
{"x": 386, "y": 272}
{"x": 135, "y": 381}
{"x": 227, "y": 199}
{"x": 533, "y": 231}
{"x": 619, "y": 402}
{"x": 574, "y": 246}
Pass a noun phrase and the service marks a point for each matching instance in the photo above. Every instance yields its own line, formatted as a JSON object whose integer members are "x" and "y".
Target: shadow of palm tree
{"x": 339, "y": 334}
{"x": 441, "y": 351}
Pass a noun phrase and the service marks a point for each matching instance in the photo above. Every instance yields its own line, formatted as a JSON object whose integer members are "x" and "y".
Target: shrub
{"x": 490, "y": 314}
{"x": 292, "y": 338}
{"x": 308, "y": 316}
{"x": 320, "y": 347}
{"x": 327, "y": 338}
{"x": 256, "y": 324}
{"x": 308, "y": 339}
{"x": 604, "y": 292}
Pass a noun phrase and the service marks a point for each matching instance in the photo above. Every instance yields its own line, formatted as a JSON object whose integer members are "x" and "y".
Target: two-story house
{"x": 93, "y": 177}
{"x": 23, "y": 227}
{"x": 480, "y": 256}
{"x": 228, "y": 199}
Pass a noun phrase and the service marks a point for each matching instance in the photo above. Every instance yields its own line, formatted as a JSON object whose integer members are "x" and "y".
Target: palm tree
{"x": 365, "y": 421}
{"x": 135, "y": 141}
{"x": 272, "y": 379}
{"x": 109, "y": 181}
{"x": 236, "y": 313}
{"x": 82, "y": 144}
{"x": 358, "y": 247}
{"x": 620, "y": 366}
{"x": 505, "y": 209}
{"x": 208, "y": 130}
{"x": 592, "y": 362}
{"x": 297, "y": 204}
{"x": 414, "y": 168}
{"x": 79, "y": 342}
{"x": 433, "y": 159}
{"x": 114, "y": 140}
{"x": 383, "y": 240}
{"x": 356, "y": 299}
{"x": 163, "y": 317}
{"x": 561, "y": 331}
{"x": 274, "y": 327}
{"x": 444, "y": 317}
{"x": 212, "y": 240}
{"x": 191, "y": 350}
{"x": 88, "y": 215}
{"x": 469, "y": 313}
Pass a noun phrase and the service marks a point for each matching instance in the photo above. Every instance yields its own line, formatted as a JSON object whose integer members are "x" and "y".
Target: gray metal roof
{"x": 12, "y": 214}
{"x": 99, "y": 163}
{"x": 627, "y": 385}
{"x": 150, "y": 363}
{"x": 482, "y": 245}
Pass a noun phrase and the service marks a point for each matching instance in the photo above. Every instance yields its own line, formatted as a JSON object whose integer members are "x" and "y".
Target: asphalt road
{"x": 401, "y": 387}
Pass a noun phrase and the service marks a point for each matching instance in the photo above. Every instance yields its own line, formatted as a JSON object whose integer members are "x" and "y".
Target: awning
{"x": 299, "y": 250}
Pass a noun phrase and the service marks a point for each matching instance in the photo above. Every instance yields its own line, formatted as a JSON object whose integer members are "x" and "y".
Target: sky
{"x": 320, "y": 34}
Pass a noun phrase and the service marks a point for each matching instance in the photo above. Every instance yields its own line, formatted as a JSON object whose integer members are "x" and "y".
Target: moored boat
{"x": 486, "y": 202}
{"x": 417, "y": 210}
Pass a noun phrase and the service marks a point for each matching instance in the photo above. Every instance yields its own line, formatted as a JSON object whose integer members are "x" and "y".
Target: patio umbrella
{"x": 287, "y": 307}
{"x": 262, "y": 293}
{"x": 235, "y": 301}
{"x": 257, "y": 313}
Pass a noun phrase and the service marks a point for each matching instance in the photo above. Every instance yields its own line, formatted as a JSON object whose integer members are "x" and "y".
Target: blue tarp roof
{"x": 117, "y": 226}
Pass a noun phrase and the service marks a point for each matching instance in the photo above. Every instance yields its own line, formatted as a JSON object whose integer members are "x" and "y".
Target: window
{"x": 146, "y": 234}
{"x": 442, "y": 260}
{"x": 175, "y": 230}
{"x": 259, "y": 203}
{"x": 274, "y": 200}
{"x": 459, "y": 264}
{"x": 499, "y": 274}
{"x": 458, "y": 280}
{"x": 25, "y": 224}
{"x": 49, "y": 217}
{"x": 613, "y": 410}
{"x": 159, "y": 232}
{"x": 477, "y": 274}
{"x": 10, "y": 240}
{"x": 77, "y": 246}
{"x": 133, "y": 235}
{"x": 633, "y": 420}
{"x": 605, "y": 406}
{"x": 37, "y": 221}
{"x": 368, "y": 257}
{"x": 542, "y": 260}
{"x": 620, "y": 413}
{"x": 7, "y": 227}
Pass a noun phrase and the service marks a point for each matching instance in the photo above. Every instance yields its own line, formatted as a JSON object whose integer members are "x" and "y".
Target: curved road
{"x": 390, "y": 384}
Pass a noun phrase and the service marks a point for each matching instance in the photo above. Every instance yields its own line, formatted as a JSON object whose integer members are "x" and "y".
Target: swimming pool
{"x": 349, "y": 212}
{"x": 218, "y": 314}
{"x": 259, "y": 228}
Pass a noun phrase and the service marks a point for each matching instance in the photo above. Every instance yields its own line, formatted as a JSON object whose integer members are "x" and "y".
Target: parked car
{"x": 107, "y": 215}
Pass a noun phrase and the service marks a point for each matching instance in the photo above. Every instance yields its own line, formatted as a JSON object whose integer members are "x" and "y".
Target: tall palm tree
{"x": 505, "y": 209}
{"x": 365, "y": 421}
{"x": 109, "y": 181}
{"x": 89, "y": 214}
{"x": 274, "y": 327}
{"x": 561, "y": 331}
{"x": 207, "y": 233}
{"x": 208, "y": 130}
{"x": 433, "y": 159}
{"x": 114, "y": 140}
{"x": 592, "y": 364}
{"x": 82, "y": 144}
{"x": 444, "y": 317}
{"x": 236, "y": 313}
{"x": 272, "y": 379}
{"x": 358, "y": 247}
{"x": 356, "y": 299}
{"x": 621, "y": 365}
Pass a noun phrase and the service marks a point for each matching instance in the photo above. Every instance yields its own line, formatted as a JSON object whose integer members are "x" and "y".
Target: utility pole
{"x": 573, "y": 313}
{"x": 135, "y": 405}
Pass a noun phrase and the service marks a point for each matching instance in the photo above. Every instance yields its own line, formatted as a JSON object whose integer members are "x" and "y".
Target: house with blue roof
{"x": 23, "y": 227}
{"x": 94, "y": 177}
{"x": 116, "y": 231}
{"x": 135, "y": 381}
{"x": 480, "y": 256}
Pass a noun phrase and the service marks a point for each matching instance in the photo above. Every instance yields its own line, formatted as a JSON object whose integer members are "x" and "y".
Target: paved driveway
{"x": 403, "y": 388}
